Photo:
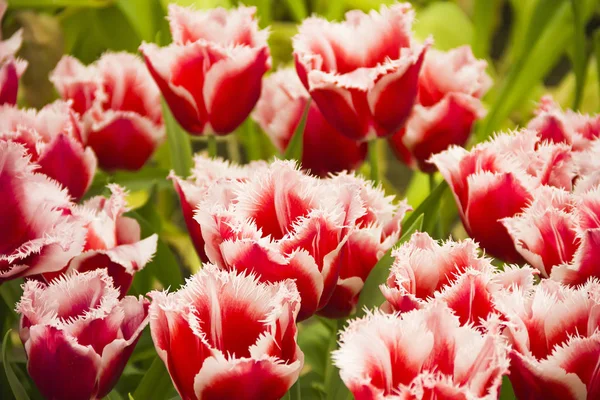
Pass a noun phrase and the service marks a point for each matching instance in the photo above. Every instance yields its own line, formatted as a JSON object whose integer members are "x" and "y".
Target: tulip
{"x": 454, "y": 273}
{"x": 558, "y": 126}
{"x": 559, "y": 234}
{"x": 112, "y": 241}
{"x": 191, "y": 191}
{"x": 555, "y": 337}
{"x": 53, "y": 138}
{"x": 78, "y": 335}
{"x": 422, "y": 354}
{"x": 210, "y": 76}
{"x": 279, "y": 112}
{"x": 451, "y": 85}
{"x": 363, "y": 72}
{"x": 496, "y": 179}
{"x": 119, "y": 104}
{"x": 279, "y": 224}
{"x": 373, "y": 222}
{"x": 11, "y": 68}
{"x": 39, "y": 233}
{"x": 226, "y": 336}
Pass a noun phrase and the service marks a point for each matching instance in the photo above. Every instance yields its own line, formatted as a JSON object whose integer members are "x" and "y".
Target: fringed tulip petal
{"x": 224, "y": 329}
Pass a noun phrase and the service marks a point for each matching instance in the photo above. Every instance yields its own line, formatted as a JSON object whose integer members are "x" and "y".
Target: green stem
{"x": 295, "y": 393}
{"x": 374, "y": 161}
{"x": 212, "y": 145}
{"x": 437, "y": 225}
{"x": 432, "y": 183}
{"x": 232, "y": 149}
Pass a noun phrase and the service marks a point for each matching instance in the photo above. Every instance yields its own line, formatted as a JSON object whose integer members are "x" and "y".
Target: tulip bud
{"x": 362, "y": 72}
{"x": 53, "y": 137}
{"x": 78, "y": 335}
{"x": 448, "y": 103}
{"x": 279, "y": 112}
{"x": 11, "y": 68}
{"x": 119, "y": 104}
{"x": 211, "y": 75}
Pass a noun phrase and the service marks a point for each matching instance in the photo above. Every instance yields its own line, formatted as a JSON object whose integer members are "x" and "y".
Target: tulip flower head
{"x": 451, "y": 85}
{"x": 78, "y": 335}
{"x": 53, "y": 137}
{"x": 119, "y": 104}
{"x": 192, "y": 191}
{"x": 362, "y": 72}
{"x": 555, "y": 337}
{"x": 496, "y": 179}
{"x": 559, "y": 233}
{"x": 112, "y": 241}
{"x": 211, "y": 75}
{"x": 558, "y": 126}
{"x": 225, "y": 335}
{"x": 11, "y": 67}
{"x": 452, "y": 272}
{"x": 39, "y": 233}
{"x": 279, "y": 112}
{"x": 420, "y": 354}
{"x": 280, "y": 223}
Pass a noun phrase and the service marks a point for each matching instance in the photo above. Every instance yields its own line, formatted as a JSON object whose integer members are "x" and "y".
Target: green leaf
{"x": 143, "y": 15}
{"x": 597, "y": 56}
{"x": 506, "y": 390}
{"x": 59, "y": 3}
{"x": 313, "y": 337}
{"x": 579, "y": 57}
{"x": 483, "y": 19}
{"x": 294, "y": 148}
{"x": 371, "y": 296}
{"x": 164, "y": 266}
{"x": 179, "y": 144}
{"x": 534, "y": 62}
{"x": 156, "y": 383}
{"x": 428, "y": 206}
{"x": 15, "y": 385}
{"x": 448, "y": 24}
{"x": 297, "y": 9}
{"x": 11, "y": 292}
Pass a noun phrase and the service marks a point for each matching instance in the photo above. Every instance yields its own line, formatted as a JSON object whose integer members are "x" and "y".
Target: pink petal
{"x": 491, "y": 198}
{"x": 124, "y": 140}
{"x": 62, "y": 157}
{"x": 580, "y": 357}
{"x": 59, "y": 366}
{"x": 76, "y": 82}
{"x": 179, "y": 72}
{"x": 226, "y": 104}
{"x": 9, "y": 83}
{"x": 246, "y": 378}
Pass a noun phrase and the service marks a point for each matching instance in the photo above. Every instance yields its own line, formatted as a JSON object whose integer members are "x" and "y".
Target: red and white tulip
{"x": 211, "y": 74}
{"x": 39, "y": 233}
{"x": 497, "y": 179}
{"x": 451, "y": 85}
{"x": 53, "y": 137}
{"x": 279, "y": 112}
{"x": 559, "y": 234}
{"x": 11, "y": 67}
{"x": 558, "y": 126}
{"x": 279, "y": 224}
{"x": 193, "y": 190}
{"x": 362, "y": 72}
{"x": 112, "y": 241}
{"x": 452, "y": 272}
{"x": 373, "y": 223}
{"x": 78, "y": 335}
{"x": 225, "y": 335}
{"x": 555, "y": 336}
{"x": 119, "y": 104}
{"x": 422, "y": 354}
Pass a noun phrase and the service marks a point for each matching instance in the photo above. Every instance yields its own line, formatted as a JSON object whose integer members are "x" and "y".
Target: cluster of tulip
{"x": 280, "y": 244}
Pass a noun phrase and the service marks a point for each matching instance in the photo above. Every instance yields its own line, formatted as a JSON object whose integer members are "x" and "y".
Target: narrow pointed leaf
{"x": 15, "y": 385}
{"x": 179, "y": 144}
{"x": 294, "y": 149}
